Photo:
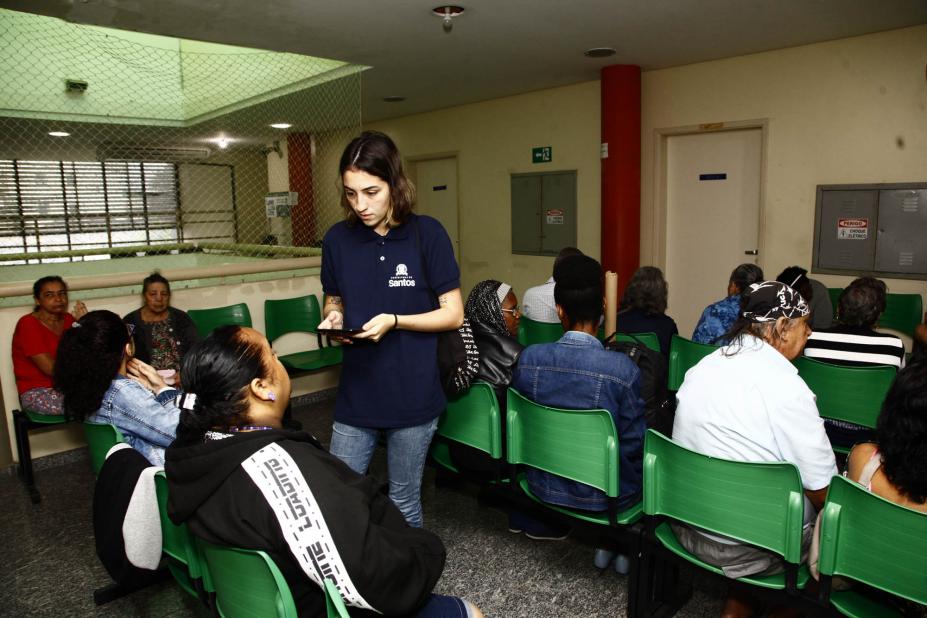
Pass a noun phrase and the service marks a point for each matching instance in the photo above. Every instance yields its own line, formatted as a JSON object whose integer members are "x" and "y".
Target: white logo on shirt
{"x": 401, "y": 279}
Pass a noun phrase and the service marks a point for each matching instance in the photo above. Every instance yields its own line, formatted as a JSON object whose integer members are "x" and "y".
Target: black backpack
{"x": 659, "y": 405}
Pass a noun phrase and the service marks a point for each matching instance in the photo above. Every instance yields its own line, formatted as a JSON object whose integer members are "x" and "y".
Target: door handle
{"x": 751, "y": 252}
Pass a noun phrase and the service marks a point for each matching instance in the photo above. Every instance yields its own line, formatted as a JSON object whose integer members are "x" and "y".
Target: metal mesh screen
{"x": 116, "y": 143}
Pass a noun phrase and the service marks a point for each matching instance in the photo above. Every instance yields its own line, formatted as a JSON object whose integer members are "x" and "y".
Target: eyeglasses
{"x": 514, "y": 310}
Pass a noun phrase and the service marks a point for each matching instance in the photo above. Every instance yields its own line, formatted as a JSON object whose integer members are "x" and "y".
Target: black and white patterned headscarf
{"x": 768, "y": 301}
{"x": 485, "y": 305}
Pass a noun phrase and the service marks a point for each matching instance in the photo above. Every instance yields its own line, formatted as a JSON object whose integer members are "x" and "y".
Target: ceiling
{"x": 497, "y": 47}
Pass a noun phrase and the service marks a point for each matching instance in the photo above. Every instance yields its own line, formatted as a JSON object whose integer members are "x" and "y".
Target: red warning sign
{"x": 852, "y": 229}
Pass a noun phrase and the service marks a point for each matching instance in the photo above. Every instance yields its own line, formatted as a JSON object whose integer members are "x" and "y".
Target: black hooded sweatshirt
{"x": 244, "y": 490}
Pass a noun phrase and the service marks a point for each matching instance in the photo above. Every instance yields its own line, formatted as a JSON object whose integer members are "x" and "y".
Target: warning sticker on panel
{"x": 554, "y": 216}
{"x": 852, "y": 229}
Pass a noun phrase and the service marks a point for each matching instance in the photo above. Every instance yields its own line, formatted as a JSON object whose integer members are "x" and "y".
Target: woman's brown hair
{"x": 375, "y": 153}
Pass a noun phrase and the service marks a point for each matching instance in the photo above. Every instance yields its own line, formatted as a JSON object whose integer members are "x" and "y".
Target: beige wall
{"x": 68, "y": 437}
{"x": 493, "y": 140}
{"x": 835, "y": 111}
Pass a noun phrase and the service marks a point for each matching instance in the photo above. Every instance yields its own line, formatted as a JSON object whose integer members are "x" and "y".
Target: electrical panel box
{"x": 877, "y": 229}
{"x": 543, "y": 212}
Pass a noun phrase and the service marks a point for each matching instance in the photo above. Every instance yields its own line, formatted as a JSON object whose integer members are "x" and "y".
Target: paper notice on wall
{"x": 852, "y": 229}
{"x": 554, "y": 216}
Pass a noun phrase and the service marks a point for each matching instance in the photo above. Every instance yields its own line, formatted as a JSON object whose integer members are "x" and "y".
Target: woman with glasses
{"x": 492, "y": 313}
{"x": 102, "y": 383}
{"x": 35, "y": 344}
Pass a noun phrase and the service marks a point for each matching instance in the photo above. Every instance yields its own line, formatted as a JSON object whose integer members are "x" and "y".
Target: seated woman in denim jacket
{"x": 101, "y": 382}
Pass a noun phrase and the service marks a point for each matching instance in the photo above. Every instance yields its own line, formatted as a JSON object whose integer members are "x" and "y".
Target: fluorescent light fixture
{"x": 59, "y": 133}
{"x": 281, "y": 125}
{"x": 222, "y": 142}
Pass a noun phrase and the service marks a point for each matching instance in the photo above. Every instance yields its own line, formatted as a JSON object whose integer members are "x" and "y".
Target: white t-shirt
{"x": 753, "y": 406}
{"x": 538, "y": 303}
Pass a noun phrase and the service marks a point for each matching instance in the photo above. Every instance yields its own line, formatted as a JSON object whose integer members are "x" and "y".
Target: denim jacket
{"x": 147, "y": 422}
{"x": 576, "y": 372}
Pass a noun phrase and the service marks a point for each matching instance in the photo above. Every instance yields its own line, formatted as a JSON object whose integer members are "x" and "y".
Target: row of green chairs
{"x": 236, "y": 583}
{"x": 281, "y": 317}
{"x": 863, "y": 537}
{"x": 903, "y": 312}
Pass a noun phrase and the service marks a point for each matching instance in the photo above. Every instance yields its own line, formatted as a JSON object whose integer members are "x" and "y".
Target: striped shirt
{"x": 856, "y": 346}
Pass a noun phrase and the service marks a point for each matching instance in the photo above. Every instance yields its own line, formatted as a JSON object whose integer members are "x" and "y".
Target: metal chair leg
{"x": 21, "y": 427}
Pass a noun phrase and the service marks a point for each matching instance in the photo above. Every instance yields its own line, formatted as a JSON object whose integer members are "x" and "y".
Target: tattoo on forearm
{"x": 334, "y": 300}
{"x": 442, "y": 299}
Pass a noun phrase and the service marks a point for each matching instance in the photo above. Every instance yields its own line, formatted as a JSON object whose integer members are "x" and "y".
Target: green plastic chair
{"x": 531, "y": 332}
{"x": 581, "y": 445}
{"x": 472, "y": 418}
{"x": 648, "y": 339}
{"x": 247, "y": 583}
{"x": 299, "y": 315}
{"x": 852, "y": 394}
{"x": 334, "y": 605}
{"x": 184, "y": 560}
{"x": 684, "y": 354}
{"x": 25, "y": 421}
{"x": 100, "y": 438}
{"x": 903, "y": 312}
{"x": 207, "y": 320}
{"x": 871, "y": 540}
{"x": 757, "y": 503}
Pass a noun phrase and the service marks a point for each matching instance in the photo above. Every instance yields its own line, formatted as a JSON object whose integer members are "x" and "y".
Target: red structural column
{"x": 299, "y": 167}
{"x": 621, "y": 170}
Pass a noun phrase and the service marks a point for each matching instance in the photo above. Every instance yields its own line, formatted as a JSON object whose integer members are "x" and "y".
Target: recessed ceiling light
{"x": 222, "y": 142}
{"x": 281, "y": 125}
{"x": 58, "y": 133}
{"x": 599, "y": 52}
{"x": 394, "y": 99}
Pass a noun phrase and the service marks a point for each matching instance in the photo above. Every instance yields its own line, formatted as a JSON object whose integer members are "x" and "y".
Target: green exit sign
{"x": 544, "y": 154}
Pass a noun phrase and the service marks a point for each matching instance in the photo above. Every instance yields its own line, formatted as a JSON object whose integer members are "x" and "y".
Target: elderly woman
{"x": 746, "y": 402}
{"x": 230, "y": 458}
{"x": 643, "y": 307}
{"x": 163, "y": 334}
{"x": 35, "y": 344}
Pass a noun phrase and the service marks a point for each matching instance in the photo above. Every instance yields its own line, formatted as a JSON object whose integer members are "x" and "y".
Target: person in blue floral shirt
{"x": 718, "y": 317}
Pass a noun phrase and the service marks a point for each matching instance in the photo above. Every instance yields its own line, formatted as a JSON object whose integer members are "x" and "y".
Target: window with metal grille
{"x": 65, "y": 205}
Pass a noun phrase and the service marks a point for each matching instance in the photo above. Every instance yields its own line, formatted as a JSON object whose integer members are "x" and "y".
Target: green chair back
{"x": 531, "y": 332}
{"x": 473, "y": 418}
{"x": 291, "y": 315}
{"x": 852, "y": 394}
{"x": 757, "y": 503}
{"x": 334, "y": 605}
{"x": 648, "y": 339}
{"x": 184, "y": 560}
{"x": 247, "y": 583}
{"x": 207, "y": 320}
{"x": 100, "y": 438}
{"x": 581, "y": 445}
{"x": 903, "y": 312}
{"x": 684, "y": 354}
{"x": 871, "y": 540}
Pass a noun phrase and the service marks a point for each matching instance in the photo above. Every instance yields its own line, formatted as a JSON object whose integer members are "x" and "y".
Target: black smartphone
{"x": 340, "y": 332}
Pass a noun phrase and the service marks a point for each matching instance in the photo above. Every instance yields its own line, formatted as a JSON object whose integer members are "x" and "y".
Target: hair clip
{"x": 76, "y": 325}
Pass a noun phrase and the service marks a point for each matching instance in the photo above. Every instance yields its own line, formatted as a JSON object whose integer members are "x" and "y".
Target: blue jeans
{"x": 406, "y": 449}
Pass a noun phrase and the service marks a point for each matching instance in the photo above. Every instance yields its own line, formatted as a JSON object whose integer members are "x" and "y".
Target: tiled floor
{"x": 50, "y": 567}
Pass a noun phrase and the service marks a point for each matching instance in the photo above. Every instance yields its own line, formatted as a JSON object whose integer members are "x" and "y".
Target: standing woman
{"x": 35, "y": 344}
{"x": 392, "y": 275}
{"x": 163, "y": 334}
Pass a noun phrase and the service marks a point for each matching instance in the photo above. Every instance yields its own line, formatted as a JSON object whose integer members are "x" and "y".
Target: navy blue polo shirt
{"x": 393, "y": 383}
